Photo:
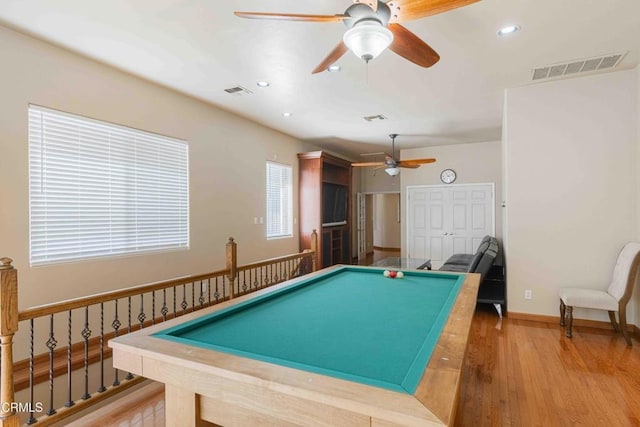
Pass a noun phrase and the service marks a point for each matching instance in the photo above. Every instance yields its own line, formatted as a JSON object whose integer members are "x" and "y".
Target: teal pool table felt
{"x": 351, "y": 323}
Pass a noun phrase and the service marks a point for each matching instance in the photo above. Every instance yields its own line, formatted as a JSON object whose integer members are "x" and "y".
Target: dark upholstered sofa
{"x": 480, "y": 262}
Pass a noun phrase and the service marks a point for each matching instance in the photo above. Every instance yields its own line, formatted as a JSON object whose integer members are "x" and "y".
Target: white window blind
{"x": 279, "y": 201}
{"x": 98, "y": 189}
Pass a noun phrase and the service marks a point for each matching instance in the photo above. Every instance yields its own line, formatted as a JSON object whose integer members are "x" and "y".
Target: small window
{"x": 97, "y": 189}
{"x": 279, "y": 201}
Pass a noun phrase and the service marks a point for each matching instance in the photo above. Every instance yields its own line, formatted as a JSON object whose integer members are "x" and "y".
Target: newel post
{"x": 8, "y": 327}
{"x": 314, "y": 248}
{"x": 232, "y": 264}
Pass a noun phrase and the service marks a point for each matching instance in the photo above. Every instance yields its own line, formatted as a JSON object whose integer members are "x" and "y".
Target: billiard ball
{"x": 392, "y": 274}
{"x": 385, "y": 273}
{"x": 399, "y": 274}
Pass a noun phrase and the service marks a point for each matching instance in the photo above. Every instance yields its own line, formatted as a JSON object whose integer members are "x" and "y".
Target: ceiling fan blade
{"x": 411, "y": 47}
{"x": 379, "y": 153}
{"x": 291, "y": 17}
{"x": 373, "y": 4}
{"x": 335, "y": 54}
{"x": 414, "y": 163}
{"x": 367, "y": 164}
{"x": 408, "y": 10}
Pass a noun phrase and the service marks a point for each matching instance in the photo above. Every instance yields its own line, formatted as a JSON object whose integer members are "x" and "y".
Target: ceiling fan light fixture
{"x": 368, "y": 39}
{"x": 392, "y": 171}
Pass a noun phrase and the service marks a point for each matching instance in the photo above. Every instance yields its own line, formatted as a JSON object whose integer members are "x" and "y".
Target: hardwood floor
{"x": 518, "y": 373}
{"x": 526, "y": 373}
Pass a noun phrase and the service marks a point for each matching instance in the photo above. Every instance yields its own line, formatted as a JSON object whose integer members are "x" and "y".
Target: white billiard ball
{"x": 400, "y": 275}
{"x": 385, "y": 273}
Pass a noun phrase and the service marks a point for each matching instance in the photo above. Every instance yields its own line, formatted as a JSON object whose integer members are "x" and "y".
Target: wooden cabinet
{"x": 325, "y": 206}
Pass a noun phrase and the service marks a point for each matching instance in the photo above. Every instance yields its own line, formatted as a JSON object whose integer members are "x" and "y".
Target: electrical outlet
{"x": 527, "y": 294}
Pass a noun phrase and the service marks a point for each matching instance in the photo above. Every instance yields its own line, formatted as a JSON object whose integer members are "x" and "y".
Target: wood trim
{"x": 308, "y": 254}
{"x": 380, "y": 248}
{"x": 75, "y": 303}
{"x": 599, "y": 324}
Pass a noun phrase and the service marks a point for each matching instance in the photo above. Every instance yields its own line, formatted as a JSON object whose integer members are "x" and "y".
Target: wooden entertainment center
{"x": 325, "y": 206}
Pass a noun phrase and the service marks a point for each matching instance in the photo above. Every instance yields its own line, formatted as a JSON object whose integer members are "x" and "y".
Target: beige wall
{"x": 227, "y": 168}
{"x": 378, "y": 181}
{"x": 386, "y": 223}
{"x": 571, "y": 201}
{"x": 479, "y": 162}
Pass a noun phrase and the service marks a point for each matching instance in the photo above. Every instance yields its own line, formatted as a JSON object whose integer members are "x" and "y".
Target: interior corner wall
{"x": 636, "y": 294}
{"x": 479, "y": 162}
{"x": 227, "y": 168}
{"x": 571, "y": 151}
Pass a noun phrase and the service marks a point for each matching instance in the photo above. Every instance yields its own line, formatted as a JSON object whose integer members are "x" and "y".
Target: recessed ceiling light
{"x": 262, "y": 83}
{"x": 286, "y": 114}
{"x": 334, "y": 68}
{"x": 509, "y": 29}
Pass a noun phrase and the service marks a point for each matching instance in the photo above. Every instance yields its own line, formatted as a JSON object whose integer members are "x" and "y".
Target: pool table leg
{"x": 182, "y": 408}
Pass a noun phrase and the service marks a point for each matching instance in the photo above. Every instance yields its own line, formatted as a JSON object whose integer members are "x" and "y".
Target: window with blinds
{"x": 98, "y": 189}
{"x": 279, "y": 201}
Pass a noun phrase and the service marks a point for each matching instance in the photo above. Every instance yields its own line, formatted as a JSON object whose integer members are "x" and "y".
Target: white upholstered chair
{"x": 613, "y": 299}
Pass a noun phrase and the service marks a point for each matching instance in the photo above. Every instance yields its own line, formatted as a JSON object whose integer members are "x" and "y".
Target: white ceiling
{"x": 199, "y": 47}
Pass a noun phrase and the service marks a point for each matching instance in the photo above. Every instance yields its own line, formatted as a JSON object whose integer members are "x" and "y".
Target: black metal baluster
{"x": 184, "y": 303}
{"x": 70, "y": 401}
{"x": 51, "y": 345}
{"x": 86, "y": 333}
{"x": 129, "y": 375}
{"x": 244, "y": 280}
{"x": 175, "y": 313}
{"x": 141, "y": 315}
{"x": 31, "y": 419}
{"x": 116, "y": 326}
{"x": 209, "y": 290}
{"x": 193, "y": 296}
{"x": 101, "y": 388}
{"x": 224, "y": 287}
{"x": 153, "y": 307}
{"x": 254, "y": 273}
{"x": 216, "y": 293}
{"x": 164, "y": 310}
{"x": 201, "y": 299}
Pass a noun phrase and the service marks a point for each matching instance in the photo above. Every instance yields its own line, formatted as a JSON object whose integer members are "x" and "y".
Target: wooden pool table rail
{"x": 232, "y": 390}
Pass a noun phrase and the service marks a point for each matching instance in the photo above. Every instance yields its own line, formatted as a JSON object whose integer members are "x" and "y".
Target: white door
{"x": 362, "y": 228}
{"x": 443, "y": 220}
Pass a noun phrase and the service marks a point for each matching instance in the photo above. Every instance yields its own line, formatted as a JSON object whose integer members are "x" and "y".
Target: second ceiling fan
{"x": 392, "y": 165}
{"x": 374, "y": 26}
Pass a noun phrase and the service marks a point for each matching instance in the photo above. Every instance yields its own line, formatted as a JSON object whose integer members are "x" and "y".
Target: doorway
{"x": 378, "y": 226}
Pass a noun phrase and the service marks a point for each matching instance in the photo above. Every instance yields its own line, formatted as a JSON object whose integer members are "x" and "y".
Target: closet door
{"x": 443, "y": 220}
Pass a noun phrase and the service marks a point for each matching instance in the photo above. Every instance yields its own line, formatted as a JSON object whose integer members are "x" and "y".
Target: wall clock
{"x": 448, "y": 176}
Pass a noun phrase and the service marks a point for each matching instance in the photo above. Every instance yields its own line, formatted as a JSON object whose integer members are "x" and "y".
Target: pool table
{"x": 341, "y": 346}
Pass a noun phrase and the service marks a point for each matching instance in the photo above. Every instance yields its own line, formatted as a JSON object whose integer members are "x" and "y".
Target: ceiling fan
{"x": 374, "y": 26}
{"x": 391, "y": 164}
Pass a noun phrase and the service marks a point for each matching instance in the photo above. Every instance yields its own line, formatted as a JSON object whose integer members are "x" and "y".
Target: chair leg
{"x": 570, "y": 322}
{"x": 562, "y": 312}
{"x": 612, "y": 318}
{"x": 622, "y": 314}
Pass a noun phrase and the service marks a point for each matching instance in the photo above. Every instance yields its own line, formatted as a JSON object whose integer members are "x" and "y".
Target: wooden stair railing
{"x": 129, "y": 309}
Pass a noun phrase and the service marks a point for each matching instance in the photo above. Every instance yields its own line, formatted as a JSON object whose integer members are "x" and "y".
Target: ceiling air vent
{"x": 238, "y": 91}
{"x": 376, "y": 117}
{"x": 577, "y": 66}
